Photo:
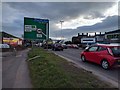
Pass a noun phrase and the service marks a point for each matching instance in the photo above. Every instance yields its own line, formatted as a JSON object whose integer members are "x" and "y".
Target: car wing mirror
{"x": 86, "y": 49}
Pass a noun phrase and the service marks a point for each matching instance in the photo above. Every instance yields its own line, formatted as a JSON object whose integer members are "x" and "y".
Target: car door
{"x": 91, "y": 54}
{"x": 100, "y": 53}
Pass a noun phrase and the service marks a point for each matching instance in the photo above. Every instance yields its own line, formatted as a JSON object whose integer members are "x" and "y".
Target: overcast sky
{"x": 78, "y": 17}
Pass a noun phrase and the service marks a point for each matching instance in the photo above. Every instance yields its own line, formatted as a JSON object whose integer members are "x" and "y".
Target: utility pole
{"x": 61, "y": 21}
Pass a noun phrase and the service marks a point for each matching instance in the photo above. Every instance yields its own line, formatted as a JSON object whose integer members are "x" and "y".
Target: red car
{"x": 102, "y": 54}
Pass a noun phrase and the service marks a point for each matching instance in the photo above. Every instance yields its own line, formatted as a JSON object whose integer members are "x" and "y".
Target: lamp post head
{"x": 61, "y": 21}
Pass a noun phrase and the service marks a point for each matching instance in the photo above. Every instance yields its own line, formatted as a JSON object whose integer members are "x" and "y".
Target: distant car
{"x": 27, "y": 44}
{"x": 4, "y": 46}
{"x": 38, "y": 44}
{"x": 57, "y": 46}
{"x": 75, "y": 46}
{"x": 64, "y": 46}
{"x": 72, "y": 46}
{"x": 69, "y": 45}
{"x": 102, "y": 54}
{"x": 47, "y": 44}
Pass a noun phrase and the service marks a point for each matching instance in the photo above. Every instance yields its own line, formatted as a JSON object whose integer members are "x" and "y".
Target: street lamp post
{"x": 61, "y": 28}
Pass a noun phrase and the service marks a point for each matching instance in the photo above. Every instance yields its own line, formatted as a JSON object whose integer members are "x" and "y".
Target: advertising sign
{"x": 36, "y": 29}
{"x": 88, "y": 40}
{"x": 12, "y": 41}
{"x": 113, "y": 36}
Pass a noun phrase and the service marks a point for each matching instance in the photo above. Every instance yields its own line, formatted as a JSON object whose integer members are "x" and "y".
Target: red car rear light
{"x": 110, "y": 51}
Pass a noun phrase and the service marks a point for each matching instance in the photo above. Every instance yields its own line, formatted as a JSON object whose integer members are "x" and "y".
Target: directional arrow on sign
{"x": 40, "y": 32}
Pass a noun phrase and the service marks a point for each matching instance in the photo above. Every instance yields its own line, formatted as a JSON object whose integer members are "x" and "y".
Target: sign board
{"x": 113, "y": 36}
{"x": 36, "y": 29}
{"x": 12, "y": 41}
{"x": 88, "y": 40}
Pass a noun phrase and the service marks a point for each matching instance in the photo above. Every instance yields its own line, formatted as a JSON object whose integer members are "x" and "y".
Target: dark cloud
{"x": 56, "y": 11}
{"x": 16, "y": 29}
{"x": 108, "y": 24}
{"x": 62, "y": 10}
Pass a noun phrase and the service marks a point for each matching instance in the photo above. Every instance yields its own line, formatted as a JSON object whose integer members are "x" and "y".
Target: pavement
{"x": 15, "y": 73}
{"x": 73, "y": 55}
{"x": 5, "y": 54}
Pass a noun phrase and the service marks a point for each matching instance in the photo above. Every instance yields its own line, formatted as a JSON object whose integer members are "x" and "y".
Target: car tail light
{"x": 110, "y": 51}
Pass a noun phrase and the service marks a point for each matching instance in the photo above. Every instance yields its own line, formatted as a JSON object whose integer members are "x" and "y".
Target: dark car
{"x": 57, "y": 46}
{"x": 47, "y": 44}
{"x": 64, "y": 46}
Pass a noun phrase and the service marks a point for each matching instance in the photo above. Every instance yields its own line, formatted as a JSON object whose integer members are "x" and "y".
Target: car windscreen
{"x": 116, "y": 51}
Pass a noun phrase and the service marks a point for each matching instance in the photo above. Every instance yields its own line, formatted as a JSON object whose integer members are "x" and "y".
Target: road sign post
{"x": 36, "y": 29}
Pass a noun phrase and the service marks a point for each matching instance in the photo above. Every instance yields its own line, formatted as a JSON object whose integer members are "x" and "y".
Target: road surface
{"x": 15, "y": 73}
{"x": 107, "y": 75}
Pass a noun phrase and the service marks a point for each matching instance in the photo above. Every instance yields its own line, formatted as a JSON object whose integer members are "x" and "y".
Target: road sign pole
{"x": 32, "y": 43}
{"x": 47, "y": 34}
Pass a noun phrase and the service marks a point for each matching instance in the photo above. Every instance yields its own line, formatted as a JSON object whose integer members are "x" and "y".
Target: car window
{"x": 94, "y": 48}
{"x": 115, "y": 51}
{"x": 101, "y": 48}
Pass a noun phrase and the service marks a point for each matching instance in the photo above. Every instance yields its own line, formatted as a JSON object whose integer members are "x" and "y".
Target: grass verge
{"x": 51, "y": 71}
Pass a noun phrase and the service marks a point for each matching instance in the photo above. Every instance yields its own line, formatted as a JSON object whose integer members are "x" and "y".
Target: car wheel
{"x": 105, "y": 64}
{"x": 83, "y": 58}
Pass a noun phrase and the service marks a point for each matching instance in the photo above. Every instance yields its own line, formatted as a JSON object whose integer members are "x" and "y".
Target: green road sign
{"x": 36, "y": 29}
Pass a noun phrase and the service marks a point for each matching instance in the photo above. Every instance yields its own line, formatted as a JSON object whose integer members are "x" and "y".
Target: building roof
{"x": 115, "y": 31}
{"x": 6, "y": 35}
{"x": 109, "y": 45}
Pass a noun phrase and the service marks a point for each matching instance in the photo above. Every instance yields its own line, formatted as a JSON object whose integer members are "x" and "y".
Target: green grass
{"x": 51, "y": 71}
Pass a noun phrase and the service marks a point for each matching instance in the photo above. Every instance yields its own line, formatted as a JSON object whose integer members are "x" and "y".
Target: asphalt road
{"x": 15, "y": 72}
{"x": 105, "y": 75}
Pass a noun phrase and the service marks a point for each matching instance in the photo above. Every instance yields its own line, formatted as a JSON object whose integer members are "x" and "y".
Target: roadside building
{"x": 100, "y": 38}
{"x": 112, "y": 36}
{"x": 10, "y": 39}
{"x": 107, "y": 37}
{"x": 77, "y": 39}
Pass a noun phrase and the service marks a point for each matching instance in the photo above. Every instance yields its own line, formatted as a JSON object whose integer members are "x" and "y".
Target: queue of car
{"x": 106, "y": 55}
{"x": 73, "y": 46}
{"x": 58, "y": 45}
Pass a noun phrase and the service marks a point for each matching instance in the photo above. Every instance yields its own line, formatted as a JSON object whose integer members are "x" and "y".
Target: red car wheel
{"x": 105, "y": 64}
{"x": 83, "y": 58}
